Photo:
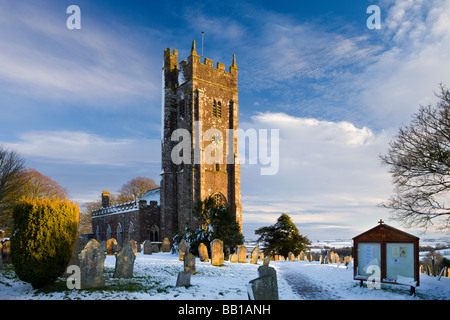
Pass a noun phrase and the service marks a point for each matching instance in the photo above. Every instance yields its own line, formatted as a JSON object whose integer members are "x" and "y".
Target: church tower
{"x": 202, "y": 101}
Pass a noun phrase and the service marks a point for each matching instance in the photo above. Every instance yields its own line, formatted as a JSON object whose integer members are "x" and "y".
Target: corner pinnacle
{"x": 193, "y": 51}
{"x": 234, "y": 61}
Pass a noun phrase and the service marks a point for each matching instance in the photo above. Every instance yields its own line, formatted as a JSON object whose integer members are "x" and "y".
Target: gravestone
{"x": 166, "y": 245}
{"x": 242, "y": 254}
{"x": 301, "y": 256}
{"x": 203, "y": 253}
{"x": 291, "y": 256}
{"x": 184, "y": 279}
{"x": 182, "y": 249}
{"x": 266, "y": 261}
{"x": 233, "y": 258}
{"x": 111, "y": 247}
{"x": 226, "y": 252}
{"x": 148, "y": 247}
{"x": 255, "y": 256}
{"x": 217, "y": 255}
{"x": 92, "y": 260}
{"x": 189, "y": 263}
{"x": 264, "y": 287}
{"x": 125, "y": 262}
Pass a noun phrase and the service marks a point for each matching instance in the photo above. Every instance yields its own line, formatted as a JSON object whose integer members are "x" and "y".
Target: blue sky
{"x": 83, "y": 106}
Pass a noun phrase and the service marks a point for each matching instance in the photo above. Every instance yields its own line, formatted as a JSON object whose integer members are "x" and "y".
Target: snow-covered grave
{"x": 155, "y": 278}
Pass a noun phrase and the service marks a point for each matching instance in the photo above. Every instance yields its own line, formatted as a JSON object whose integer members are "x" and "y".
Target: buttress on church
{"x": 196, "y": 97}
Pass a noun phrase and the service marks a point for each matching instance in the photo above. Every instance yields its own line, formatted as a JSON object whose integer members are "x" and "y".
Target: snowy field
{"x": 155, "y": 277}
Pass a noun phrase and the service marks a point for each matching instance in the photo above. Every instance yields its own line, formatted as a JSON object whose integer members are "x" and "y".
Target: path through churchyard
{"x": 305, "y": 287}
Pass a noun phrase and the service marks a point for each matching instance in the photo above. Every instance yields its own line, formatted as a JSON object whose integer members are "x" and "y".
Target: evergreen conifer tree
{"x": 282, "y": 237}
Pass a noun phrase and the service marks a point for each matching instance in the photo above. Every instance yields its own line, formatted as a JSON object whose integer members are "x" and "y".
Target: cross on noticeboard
{"x": 381, "y": 221}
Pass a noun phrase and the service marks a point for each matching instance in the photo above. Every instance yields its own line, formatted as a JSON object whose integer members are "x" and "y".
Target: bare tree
{"x": 11, "y": 184}
{"x": 39, "y": 186}
{"x": 136, "y": 188}
{"x": 419, "y": 162}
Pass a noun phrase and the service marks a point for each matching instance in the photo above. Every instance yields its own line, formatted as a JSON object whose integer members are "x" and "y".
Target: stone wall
{"x": 128, "y": 221}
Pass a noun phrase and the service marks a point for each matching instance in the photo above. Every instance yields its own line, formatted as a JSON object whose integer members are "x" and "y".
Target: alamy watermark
{"x": 374, "y": 280}
{"x": 74, "y": 280}
{"x": 263, "y": 148}
{"x": 374, "y": 20}
{"x": 74, "y": 20}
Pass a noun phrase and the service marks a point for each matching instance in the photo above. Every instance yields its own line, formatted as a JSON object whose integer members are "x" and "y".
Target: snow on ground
{"x": 336, "y": 282}
{"x": 155, "y": 277}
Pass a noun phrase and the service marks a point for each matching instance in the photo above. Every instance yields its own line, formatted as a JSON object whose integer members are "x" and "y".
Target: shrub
{"x": 43, "y": 239}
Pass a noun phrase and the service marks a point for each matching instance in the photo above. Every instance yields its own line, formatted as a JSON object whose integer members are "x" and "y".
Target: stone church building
{"x": 201, "y": 100}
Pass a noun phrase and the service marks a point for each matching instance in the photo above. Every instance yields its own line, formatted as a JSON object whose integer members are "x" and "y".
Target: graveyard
{"x": 155, "y": 277}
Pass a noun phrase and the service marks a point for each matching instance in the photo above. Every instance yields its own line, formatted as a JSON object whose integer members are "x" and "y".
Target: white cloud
{"x": 329, "y": 174}
{"x": 409, "y": 71}
{"x": 85, "y": 148}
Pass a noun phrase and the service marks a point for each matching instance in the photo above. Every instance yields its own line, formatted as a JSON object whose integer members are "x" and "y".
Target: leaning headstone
{"x": 147, "y": 247}
{"x": 264, "y": 287}
{"x": 261, "y": 288}
{"x": 125, "y": 262}
{"x": 92, "y": 261}
{"x": 111, "y": 246}
{"x": 233, "y": 258}
{"x": 184, "y": 279}
{"x": 182, "y": 249}
{"x": 217, "y": 255}
{"x": 189, "y": 263}
{"x": 203, "y": 252}
{"x": 166, "y": 245}
{"x": 254, "y": 256}
{"x": 74, "y": 261}
{"x": 242, "y": 254}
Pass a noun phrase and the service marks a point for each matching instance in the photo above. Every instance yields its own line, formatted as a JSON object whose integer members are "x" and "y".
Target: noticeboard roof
{"x": 383, "y": 232}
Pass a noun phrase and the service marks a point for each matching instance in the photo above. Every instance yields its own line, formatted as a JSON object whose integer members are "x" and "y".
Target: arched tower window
{"x": 217, "y": 109}
{"x": 220, "y": 199}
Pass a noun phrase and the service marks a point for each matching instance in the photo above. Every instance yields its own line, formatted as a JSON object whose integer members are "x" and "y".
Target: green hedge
{"x": 43, "y": 239}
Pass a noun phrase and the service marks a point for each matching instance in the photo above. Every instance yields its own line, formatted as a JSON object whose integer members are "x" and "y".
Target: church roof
{"x": 151, "y": 195}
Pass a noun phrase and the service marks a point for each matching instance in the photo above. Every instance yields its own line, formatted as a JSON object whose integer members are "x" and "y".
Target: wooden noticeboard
{"x": 387, "y": 253}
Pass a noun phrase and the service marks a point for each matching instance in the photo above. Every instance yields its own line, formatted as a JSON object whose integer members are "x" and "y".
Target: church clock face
{"x": 217, "y": 140}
